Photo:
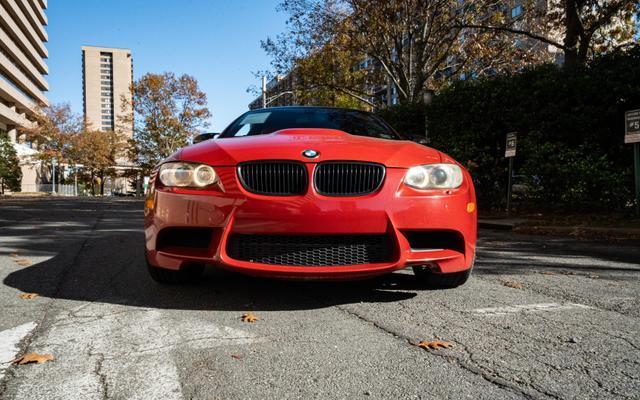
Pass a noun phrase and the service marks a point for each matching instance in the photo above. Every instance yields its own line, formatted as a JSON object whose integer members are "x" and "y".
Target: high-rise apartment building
{"x": 22, "y": 78}
{"x": 107, "y": 75}
{"x": 22, "y": 64}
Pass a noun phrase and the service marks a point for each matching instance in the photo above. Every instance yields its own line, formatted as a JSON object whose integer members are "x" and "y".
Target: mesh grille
{"x": 311, "y": 251}
{"x": 276, "y": 178}
{"x": 348, "y": 178}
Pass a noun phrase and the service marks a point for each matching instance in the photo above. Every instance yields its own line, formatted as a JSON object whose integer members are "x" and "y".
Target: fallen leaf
{"x": 547, "y": 273}
{"x": 512, "y": 284}
{"x": 23, "y": 262}
{"x": 594, "y": 276}
{"x": 434, "y": 344}
{"x": 13, "y": 255}
{"x": 236, "y": 356}
{"x": 249, "y": 317}
{"x": 28, "y": 296}
{"x": 33, "y": 358}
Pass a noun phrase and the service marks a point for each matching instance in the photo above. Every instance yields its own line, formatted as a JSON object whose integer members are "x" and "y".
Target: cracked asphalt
{"x": 542, "y": 318}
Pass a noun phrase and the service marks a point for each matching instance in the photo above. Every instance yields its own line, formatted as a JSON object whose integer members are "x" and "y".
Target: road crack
{"x": 467, "y": 364}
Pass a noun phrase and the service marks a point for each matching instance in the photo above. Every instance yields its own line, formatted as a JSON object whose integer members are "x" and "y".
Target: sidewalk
{"x": 574, "y": 226}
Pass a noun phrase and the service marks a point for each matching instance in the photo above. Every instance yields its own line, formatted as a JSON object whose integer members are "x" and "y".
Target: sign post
{"x": 632, "y": 135}
{"x": 510, "y": 153}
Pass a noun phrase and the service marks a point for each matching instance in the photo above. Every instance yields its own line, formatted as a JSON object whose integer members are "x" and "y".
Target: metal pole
{"x": 264, "y": 92}
{"x": 636, "y": 162}
{"x": 75, "y": 187}
{"x": 53, "y": 186}
{"x": 509, "y": 185}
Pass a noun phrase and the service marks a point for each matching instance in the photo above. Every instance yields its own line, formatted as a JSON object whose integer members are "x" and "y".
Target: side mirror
{"x": 204, "y": 136}
{"x": 419, "y": 139}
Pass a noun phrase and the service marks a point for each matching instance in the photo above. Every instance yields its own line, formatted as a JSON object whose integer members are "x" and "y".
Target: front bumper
{"x": 394, "y": 209}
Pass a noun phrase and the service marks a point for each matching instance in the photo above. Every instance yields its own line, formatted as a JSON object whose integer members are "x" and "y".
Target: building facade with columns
{"x": 22, "y": 75}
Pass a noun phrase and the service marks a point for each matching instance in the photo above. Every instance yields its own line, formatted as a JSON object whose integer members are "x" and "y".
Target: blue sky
{"x": 216, "y": 41}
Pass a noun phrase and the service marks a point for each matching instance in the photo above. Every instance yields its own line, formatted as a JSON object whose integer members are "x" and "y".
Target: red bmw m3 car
{"x": 311, "y": 193}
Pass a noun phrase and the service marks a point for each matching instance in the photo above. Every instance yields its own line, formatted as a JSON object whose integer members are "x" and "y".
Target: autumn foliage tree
{"x": 97, "y": 152}
{"x": 168, "y": 110}
{"x": 54, "y": 131}
{"x": 416, "y": 45}
{"x": 60, "y": 133}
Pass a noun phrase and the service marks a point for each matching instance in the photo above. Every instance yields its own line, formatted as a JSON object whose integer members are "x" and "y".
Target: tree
{"x": 10, "y": 171}
{"x": 579, "y": 28}
{"x": 168, "y": 110}
{"x": 416, "y": 45}
{"x": 97, "y": 151}
{"x": 53, "y": 131}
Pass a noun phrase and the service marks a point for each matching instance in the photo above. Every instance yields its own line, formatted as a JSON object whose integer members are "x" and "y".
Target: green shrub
{"x": 570, "y": 125}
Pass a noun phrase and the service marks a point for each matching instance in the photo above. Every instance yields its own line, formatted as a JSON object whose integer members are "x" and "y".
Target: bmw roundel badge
{"x": 310, "y": 153}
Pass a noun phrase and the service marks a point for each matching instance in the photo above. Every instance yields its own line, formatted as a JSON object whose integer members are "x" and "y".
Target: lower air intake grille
{"x": 312, "y": 250}
{"x": 348, "y": 178}
{"x": 275, "y": 178}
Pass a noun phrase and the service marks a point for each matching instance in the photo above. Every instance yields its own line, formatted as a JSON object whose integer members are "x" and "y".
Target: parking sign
{"x": 510, "y": 149}
{"x": 632, "y": 126}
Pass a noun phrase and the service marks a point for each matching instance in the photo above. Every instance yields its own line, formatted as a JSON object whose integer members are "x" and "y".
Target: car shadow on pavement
{"x": 76, "y": 258}
{"x": 103, "y": 262}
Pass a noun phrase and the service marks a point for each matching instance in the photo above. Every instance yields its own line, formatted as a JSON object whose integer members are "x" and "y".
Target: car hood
{"x": 289, "y": 144}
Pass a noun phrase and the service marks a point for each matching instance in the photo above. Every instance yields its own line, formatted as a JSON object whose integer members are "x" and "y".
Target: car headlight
{"x": 183, "y": 174}
{"x": 434, "y": 176}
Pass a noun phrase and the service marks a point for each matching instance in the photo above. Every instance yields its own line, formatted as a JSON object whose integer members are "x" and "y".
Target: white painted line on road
{"x": 528, "y": 308}
{"x": 9, "y": 340}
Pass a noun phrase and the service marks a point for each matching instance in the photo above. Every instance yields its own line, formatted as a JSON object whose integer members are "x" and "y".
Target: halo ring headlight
{"x": 434, "y": 176}
{"x": 182, "y": 174}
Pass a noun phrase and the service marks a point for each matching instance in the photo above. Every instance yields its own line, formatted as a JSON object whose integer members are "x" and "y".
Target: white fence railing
{"x": 61, "y": 190}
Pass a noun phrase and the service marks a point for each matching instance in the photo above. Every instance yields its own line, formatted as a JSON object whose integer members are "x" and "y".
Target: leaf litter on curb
{"x": 434, "y": 344}
{"x": 249, "y": 317}
{"x": 28, "y": 296}
{"x": 23, "y": 262}
{"x": 512, "y": 284}
{"x": 33, "y": 358}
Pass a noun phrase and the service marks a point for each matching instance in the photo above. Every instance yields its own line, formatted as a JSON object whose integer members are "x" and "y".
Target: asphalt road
{"x": 569, "y": 328}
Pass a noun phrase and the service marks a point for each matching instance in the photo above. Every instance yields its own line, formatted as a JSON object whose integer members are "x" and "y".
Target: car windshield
{"x": 264, "y": 121}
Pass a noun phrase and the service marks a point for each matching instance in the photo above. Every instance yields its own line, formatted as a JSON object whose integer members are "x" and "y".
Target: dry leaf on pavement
{"x": 13, "y": 255}
{"x": 512, "y": 284}
{"x": 23, "y": 262}
{"x": 28, "y": 296}
{"x": 249, "y": 317}
{"x": 33, "y": 358}
{"x": 434, "y": 344}
{"x": 236, "y": 356}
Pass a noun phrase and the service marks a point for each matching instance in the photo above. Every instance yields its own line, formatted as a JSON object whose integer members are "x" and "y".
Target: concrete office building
{"x": 22, "y": 76}
{"x": 107, "y": 75}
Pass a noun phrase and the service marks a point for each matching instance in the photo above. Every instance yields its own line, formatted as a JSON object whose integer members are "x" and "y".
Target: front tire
{"x": 188, "y": 273}
{"x": 432, "y": 280}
